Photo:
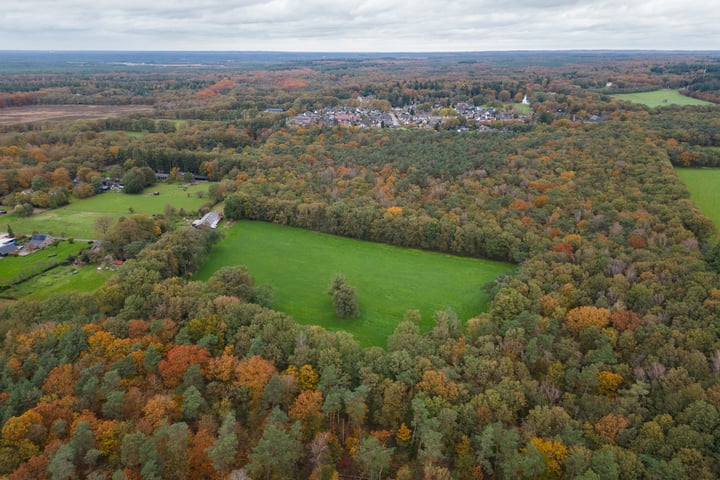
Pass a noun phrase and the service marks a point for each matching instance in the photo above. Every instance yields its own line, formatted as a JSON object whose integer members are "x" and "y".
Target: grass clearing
{"x": 659, "y": 98}
{"x": 78, "y": 218}
{"x": 300, "y": 264}
{"x": 704, "y": 186}
{"x": 522, "y": 108}
{"x": 62, "y": 279}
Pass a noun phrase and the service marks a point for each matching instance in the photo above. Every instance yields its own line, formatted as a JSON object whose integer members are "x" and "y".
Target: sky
{"x": 359, "y": 25}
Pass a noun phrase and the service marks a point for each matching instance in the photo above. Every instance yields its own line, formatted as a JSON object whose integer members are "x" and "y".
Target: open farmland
{"x": 703, "y": 184}
{"x": 78, "y": 218}
{"x": 659, "y": 98}
{"x": 300, "y": 265}
{"x": 44, "y": 113}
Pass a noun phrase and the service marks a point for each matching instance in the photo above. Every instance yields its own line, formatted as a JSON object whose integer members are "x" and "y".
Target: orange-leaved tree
{"x": 581, "y": 318}
{"x": 179, "y": 359}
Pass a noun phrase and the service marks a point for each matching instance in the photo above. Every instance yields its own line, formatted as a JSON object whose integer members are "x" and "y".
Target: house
{"x": 38, "y": 241}
{"x": 7, "y": 240}
{"x": 304, "y": 119}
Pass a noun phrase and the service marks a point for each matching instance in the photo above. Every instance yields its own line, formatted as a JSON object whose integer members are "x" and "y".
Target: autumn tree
{"x": 307, "y": 409}
{"x": 179, "y": 359}
{"x": 553, "y": 454}
{"x": 581, "y": 318}
{"x": 610, "y": 425}
{"x": 254, "y": 374}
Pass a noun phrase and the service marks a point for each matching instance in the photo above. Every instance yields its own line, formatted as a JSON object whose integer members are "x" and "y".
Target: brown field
{"x": 42, "y": 113}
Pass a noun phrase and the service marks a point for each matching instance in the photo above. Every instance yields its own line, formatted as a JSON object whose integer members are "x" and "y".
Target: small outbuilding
{"x": 211, "y": 219}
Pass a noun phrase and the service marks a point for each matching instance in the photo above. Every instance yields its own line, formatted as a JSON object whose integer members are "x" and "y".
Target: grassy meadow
{"x": 78, "y": 218}
{"x": 704, "y": 186}
{"x": 659, "y": 98}
{"x": 522, "y": 108}
{"x": 62, "y": 279}
{"x": 300, "y": 265}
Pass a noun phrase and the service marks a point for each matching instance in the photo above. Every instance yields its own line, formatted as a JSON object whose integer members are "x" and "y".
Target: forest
{"x": 598, "y": 356}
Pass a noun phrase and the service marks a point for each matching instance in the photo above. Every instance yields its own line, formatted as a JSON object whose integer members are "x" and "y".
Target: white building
{"x": 211, "y": 219}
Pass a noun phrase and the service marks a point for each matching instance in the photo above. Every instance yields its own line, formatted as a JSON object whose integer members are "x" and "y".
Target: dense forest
{"x": 599, "y": 358}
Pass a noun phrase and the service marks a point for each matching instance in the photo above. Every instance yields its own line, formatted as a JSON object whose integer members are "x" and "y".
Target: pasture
{"x": 61, "y": 279}
{"x": 659, "y": 98}
{"x": 78, "y": 218}
{"x": 704, "y": 186}
{"x": 300, "y": 265}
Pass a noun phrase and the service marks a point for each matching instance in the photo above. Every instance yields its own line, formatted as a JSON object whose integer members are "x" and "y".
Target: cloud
{"x": 358, "y": 25}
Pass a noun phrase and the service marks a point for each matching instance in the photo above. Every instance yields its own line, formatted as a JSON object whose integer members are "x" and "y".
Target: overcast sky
{"x": 359, "y": 25}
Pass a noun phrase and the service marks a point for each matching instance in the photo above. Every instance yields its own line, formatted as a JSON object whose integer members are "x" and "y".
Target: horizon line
{"x": 574, "y": 50}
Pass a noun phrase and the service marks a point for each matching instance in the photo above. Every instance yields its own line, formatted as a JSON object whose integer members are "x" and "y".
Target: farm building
{"x": 7, "y": 240}
{"x": 38, "y": 241}
{"x": 211, "y": 219}
{"x": 7, "y": 249}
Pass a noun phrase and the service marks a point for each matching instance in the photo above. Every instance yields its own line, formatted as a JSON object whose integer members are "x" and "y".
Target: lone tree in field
{"x": 343, "y": 298}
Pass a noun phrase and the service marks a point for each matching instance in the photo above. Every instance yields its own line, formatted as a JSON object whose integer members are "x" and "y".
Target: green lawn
{"x": 12, "y": 266}
{"x": 78, "y": 218}
{"x": 300, "y": 265}
{"x": 522, "y": 108}
{"x": 64, "y": 278}
{"x": 660, "y": 98}
{"x": 704, "y": 186}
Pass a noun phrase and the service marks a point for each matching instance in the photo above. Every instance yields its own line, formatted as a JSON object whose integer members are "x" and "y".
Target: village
{"x": 462, "y": 116}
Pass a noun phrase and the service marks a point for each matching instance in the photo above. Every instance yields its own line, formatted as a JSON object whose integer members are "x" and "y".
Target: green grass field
{"x": 522, "y": 108}
{"x": 704, "y": 186}
{"x": 60, "y": 280}
{"x": 660, "y": 98}
{"x": 78, "y": 218}
{"x": 300, "y": 265}
{"x": 12, "y": 266}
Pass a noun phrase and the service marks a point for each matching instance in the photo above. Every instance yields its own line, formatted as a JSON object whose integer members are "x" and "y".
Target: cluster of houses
{"x": 347, "y": 116}
{"x": 9, "y": 246}
{"x": 404, "y": 117}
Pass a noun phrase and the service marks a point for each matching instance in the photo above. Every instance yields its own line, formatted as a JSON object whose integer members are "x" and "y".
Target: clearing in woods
{"x": 77, "y": 219}
{"x": 300, "y": 264}
{"x": 659, "y": 98}
{"x": 703, "y": 184}
{"x": 45, "y": 113}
